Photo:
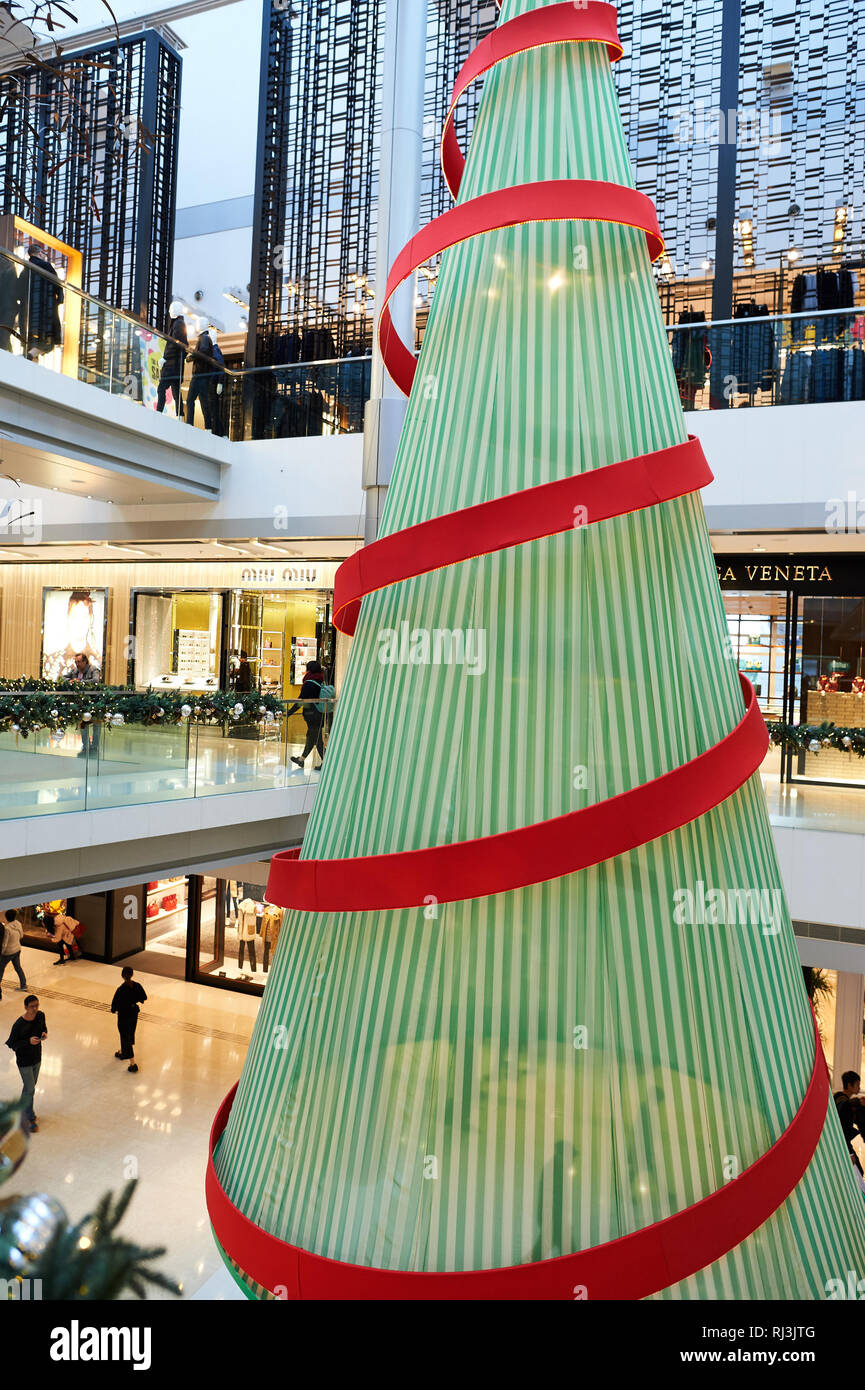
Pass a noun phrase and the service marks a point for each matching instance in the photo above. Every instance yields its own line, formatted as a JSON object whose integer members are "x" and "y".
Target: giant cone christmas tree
{"x": 520, "y": 1038}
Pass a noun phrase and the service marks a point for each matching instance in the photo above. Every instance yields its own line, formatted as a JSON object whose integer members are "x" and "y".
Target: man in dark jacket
{"x": 201, "y": 387}
{"x": 851, "y": 1112}
{"x": 171, "y": 375}
{"x": 25, "y": 1040}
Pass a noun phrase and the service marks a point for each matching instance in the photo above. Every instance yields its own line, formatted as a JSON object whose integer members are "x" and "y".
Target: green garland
{"x": 811, "y": 738}
{"x": 27, "y": 706}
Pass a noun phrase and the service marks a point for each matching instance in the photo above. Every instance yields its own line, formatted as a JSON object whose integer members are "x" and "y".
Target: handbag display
{"x": 169, "y": 902}
{"x": 152, "y": 910}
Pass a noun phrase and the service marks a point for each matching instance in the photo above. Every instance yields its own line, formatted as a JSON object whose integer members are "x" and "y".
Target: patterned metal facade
{"x": 88, "y": 152}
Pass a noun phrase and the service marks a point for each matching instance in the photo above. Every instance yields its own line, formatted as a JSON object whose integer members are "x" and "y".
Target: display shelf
{"x": 169, "y": 912}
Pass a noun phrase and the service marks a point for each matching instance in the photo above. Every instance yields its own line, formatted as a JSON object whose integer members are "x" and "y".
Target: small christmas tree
{"x": 536, "y": 1025}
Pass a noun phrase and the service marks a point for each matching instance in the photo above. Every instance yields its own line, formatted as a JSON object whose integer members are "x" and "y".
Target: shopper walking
{"x": 173, "y": 362}
{"x": 12, "y": 932}
{"x": 201, "y": 387}
{"x": 312, "y": 692}
{"x": 127, "y": 998}
{"x": 25, "y": 1040}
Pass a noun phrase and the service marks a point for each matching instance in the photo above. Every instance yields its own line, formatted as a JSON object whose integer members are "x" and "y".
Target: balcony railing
{"x": 777, "y": 359}
{"x": 68, "y": 331}
{"x": 97, "y": 766}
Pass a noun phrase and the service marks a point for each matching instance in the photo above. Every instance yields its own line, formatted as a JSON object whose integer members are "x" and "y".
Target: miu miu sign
{"x": 289, "y": 576}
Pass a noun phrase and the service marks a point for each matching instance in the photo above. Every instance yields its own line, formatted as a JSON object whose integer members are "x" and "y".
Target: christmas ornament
{"x": 814, "y": 746}
{"x": 27, "y": 1225}
{"x": 846, "y": 741}
{"x": 14, "y": 1140}
{"x": 237, "y": 711}
{"x": 86, "y": 717}
{"x": 185, "y": 711}
{"x": 476, "y": 1093}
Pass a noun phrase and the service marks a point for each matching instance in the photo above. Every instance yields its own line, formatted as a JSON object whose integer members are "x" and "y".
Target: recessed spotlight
{"x": 759, "y": 549}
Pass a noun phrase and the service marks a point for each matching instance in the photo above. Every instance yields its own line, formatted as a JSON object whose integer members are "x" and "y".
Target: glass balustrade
{"x": 65, "y": 330}
{"x": 774, "y": 359}
{"x": 98, "y": 766}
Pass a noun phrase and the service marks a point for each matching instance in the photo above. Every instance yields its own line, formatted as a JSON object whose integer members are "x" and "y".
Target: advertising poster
{"x": 151, "y": 347}
{"x": 73, "y": 620}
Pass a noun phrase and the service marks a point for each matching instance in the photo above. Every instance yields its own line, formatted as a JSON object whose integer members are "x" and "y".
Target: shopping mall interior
{"x": 400, "y": 497}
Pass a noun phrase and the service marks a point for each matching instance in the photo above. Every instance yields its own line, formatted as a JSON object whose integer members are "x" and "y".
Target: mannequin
{"x": 270, "y": 924}
{"x": 246, "y": 928}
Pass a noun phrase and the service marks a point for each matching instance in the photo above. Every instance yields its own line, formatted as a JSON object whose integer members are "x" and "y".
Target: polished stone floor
{"x": 98, "y": 1124}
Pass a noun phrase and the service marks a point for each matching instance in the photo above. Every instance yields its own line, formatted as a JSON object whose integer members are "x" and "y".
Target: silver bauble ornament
{"x": 27, "y": 1225}
{"x": 185, "y": 711}
{"x": 86, "y": 717}
{"x": 814, "y": 746}
{"x": 117, "y": 720}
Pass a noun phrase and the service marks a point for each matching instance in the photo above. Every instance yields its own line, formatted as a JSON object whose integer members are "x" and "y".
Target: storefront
{"x": 170, "y": 626}
{"x": 797, "y": 630}
{"x": 216, "y": 930}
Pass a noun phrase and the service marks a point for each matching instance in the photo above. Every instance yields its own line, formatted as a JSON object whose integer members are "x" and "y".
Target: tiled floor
{"x": 98, "y": 1124}
{"x": 814, "y": 807}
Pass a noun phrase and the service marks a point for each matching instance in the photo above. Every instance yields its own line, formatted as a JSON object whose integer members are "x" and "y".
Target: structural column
{"x": 398, "y": 217}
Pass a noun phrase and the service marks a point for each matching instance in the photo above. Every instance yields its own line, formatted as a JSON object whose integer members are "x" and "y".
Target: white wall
{"x": 777, "y": 467}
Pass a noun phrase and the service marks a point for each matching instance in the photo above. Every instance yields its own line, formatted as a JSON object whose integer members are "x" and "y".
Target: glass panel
{"x": 757, "y": 624}
{"x": 134, "y": 764}
{"x": 239, "y": 929}
{"x": 770, "y": 359}
{"x": 832, "y": 682}
{"x": 43, "y": 773}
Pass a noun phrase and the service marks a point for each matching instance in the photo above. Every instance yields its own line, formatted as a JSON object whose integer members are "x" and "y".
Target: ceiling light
{"x": 792, "y": 254}
{"x": 131, "y": 548}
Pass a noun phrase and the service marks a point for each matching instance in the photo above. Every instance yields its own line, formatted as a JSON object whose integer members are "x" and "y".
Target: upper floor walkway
{"x": 79, "y": 417}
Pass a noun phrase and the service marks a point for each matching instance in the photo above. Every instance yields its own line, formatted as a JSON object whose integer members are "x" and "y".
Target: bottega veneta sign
{"x": 775, "y": 574}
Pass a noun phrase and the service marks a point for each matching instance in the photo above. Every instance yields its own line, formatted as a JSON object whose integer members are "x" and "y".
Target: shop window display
{"x": 238, "y": 937}
{"x": 177, "y": 640}
{"x": 832, "y": 681}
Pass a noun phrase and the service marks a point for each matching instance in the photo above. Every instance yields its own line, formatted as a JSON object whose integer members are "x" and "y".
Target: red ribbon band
{"x": 594, "y": 21}
{"x": 553, "y": 200}
{"x": 528, "y": 515}
{"x": 631, "y": 1267}
{"x": 531, "y": 854}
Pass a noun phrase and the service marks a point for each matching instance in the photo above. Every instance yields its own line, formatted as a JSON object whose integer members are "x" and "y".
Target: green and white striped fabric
{"x": 492, "y": 1082}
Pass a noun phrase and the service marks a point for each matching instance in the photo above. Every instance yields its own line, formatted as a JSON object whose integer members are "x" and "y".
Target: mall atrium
{"x": 432, "y": 714}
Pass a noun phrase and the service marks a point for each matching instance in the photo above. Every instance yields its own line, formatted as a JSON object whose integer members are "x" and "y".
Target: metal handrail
{"x": 809, "y": 314}
{"x": 188, "y": 348}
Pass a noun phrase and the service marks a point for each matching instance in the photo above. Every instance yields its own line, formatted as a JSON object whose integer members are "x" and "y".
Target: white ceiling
{"x": 136, "y": 550}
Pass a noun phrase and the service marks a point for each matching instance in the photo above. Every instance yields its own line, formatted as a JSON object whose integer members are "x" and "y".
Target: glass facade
{"x": 800, "y": 639}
